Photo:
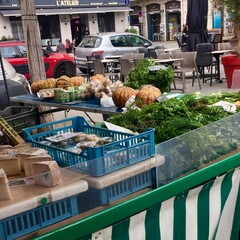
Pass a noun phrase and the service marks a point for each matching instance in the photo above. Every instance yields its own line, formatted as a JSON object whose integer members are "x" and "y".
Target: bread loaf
{"x": 28, "y": 161}
{"x": 46, "y": 173}
{"x": 4, "y": 187}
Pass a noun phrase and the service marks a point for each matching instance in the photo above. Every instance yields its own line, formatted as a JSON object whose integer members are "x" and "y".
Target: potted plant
{"x": 231, "y": 62}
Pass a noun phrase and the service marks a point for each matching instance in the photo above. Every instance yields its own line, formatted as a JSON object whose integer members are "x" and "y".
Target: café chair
{"x": 176, "y": 54}
{"x": 145, "y": 51}
{"x": 163, "y": 55}
{"x": 90, "y": 67}
{"x": 224, "y": 46}
{"x": 181, "y": 45}
{"x": 136, "y": 57}
{"x": 126, "y": 66}
{"x": 216, "y": 40}
{"x": 205, "y": 60}
{"x": 187, "y": 65}
{"x": 100, "y": 68}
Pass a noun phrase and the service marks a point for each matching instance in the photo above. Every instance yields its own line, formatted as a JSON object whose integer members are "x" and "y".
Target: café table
{"x": 168, "y": 61}
{"x": 217, "y": 55}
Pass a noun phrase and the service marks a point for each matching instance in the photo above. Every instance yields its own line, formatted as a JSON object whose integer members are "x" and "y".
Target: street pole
{"x": 33, "y": 40}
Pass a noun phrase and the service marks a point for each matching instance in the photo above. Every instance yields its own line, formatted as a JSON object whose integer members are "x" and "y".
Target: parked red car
{"x": 56, "y": 64}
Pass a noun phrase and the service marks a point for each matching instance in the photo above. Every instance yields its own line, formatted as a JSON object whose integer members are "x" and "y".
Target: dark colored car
{"x": 56, "y": 64}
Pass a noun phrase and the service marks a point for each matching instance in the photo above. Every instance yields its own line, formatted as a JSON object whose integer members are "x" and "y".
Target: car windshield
{"x": 23, "y": 51}
{"x": 90, "y": 42}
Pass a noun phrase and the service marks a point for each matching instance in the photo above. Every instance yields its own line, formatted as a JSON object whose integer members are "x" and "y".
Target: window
{"x": 90, "y": 42}
{"x": 137, "y": 41}
{"x": 9, "y": 52}
{"x": 119, "y": 41}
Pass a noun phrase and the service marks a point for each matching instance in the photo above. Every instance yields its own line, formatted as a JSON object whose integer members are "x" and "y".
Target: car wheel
{"x": 60, "y": 71}
{"x": 83, "y": 70}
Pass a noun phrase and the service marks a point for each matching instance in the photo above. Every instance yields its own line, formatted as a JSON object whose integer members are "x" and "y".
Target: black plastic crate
{"x": 20, "y": 117}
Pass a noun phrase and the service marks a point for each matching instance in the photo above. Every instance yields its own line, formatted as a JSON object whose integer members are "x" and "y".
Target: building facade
{"x": 158, "y": 20}
{"x": 66, "y": 19}
{"x": 161, "y": 20}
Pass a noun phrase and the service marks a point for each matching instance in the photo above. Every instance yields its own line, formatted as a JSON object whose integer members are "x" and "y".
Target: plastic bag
{"x": 106, "y": 101}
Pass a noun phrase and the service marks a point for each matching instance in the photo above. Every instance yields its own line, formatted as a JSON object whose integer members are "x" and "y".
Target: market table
{"x": 93, "y": 106}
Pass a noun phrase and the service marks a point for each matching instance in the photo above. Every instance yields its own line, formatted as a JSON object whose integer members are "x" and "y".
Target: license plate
{"x": 81, "y": 62}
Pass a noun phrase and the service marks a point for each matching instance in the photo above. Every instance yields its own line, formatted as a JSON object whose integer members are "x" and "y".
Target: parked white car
{"x": 109, "y": 44}
{"x": 17, "y": 84}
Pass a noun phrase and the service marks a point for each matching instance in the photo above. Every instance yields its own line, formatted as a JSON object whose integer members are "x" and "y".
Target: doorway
{"x": 173, "y": 24}
{"x": 78, "y": 26}
{"x": 106, "y": 22}
{"x": 154, "y": 20}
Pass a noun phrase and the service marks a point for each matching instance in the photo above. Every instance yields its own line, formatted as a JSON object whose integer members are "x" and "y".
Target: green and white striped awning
{"x": 210, "y": 211}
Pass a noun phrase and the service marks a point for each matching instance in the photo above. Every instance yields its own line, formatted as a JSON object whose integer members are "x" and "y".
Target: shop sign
{"x": 67, "y": 3}
{"x": 172, "y": 5}
{"x": 155, "y": 7}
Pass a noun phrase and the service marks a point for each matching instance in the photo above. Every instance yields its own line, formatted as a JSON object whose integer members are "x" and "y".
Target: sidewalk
{"x": 206, "y": 88}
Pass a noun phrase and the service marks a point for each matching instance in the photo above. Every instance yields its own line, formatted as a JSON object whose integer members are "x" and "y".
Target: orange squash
{"x": 146, "y": 95}
{"x": 63, "y": 82}
{"x": 121, "y": 95}
{"x": 77, "y": 81}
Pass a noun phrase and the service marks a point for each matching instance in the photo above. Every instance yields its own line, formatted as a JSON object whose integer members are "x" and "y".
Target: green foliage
{"x": 233, "y": 9}
{"x": 141, "y": 75}
{"x": 132, "y": 30}
{"x": 5, "y": 38}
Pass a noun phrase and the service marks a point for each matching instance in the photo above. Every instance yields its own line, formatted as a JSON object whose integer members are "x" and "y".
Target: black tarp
{"x": 196, "y": 21}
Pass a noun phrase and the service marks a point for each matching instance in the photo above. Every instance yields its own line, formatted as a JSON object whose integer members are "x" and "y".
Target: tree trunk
{"x": 34, "y": 48}
{"x": 33, "y": 40}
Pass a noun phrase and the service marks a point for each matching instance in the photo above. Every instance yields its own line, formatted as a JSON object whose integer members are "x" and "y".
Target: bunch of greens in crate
{"x": 141, "y": 75}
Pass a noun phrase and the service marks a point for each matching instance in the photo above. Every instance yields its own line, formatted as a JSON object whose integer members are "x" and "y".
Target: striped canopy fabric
{"x": 209, "y": 211}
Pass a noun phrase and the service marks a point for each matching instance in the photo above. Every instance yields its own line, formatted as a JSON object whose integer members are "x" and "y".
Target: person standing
{"x": 61, "y": 47}
{"x": 49, "y": 48}
{"x": 86, "y": 31}
{"x": 69, "y": 46}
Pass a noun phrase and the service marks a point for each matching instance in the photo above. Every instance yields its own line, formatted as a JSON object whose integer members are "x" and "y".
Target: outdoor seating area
{"x": 202, "y": 65}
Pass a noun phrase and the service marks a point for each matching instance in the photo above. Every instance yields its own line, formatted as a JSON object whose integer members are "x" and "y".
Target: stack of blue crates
{"x": 125, "y": 150}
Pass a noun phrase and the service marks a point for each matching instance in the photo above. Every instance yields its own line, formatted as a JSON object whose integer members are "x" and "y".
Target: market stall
{"x": 181, "y": 156}
{"x": 186, "y": 201}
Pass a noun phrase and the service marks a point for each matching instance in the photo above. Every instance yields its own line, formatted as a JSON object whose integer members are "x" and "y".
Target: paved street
{"x": 206, "y": 89}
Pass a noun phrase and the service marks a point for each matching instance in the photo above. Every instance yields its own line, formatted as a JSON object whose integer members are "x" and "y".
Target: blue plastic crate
{"x": 40, "y": 217}
{"x": 96, "y": 197}
{"x": 126, "y": 148}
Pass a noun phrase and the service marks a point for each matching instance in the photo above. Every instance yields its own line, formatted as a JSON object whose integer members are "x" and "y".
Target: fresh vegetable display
{"x": 174, "y": 119}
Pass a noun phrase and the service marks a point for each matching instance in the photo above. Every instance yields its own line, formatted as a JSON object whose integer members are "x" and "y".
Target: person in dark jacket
{"x": 69, "y": 46}
{"x": 49, "y": 48}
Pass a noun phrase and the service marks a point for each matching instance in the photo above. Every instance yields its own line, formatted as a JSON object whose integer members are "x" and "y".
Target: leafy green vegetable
{"x": 141, "y": 75}
{"x": 188, "y": 130}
